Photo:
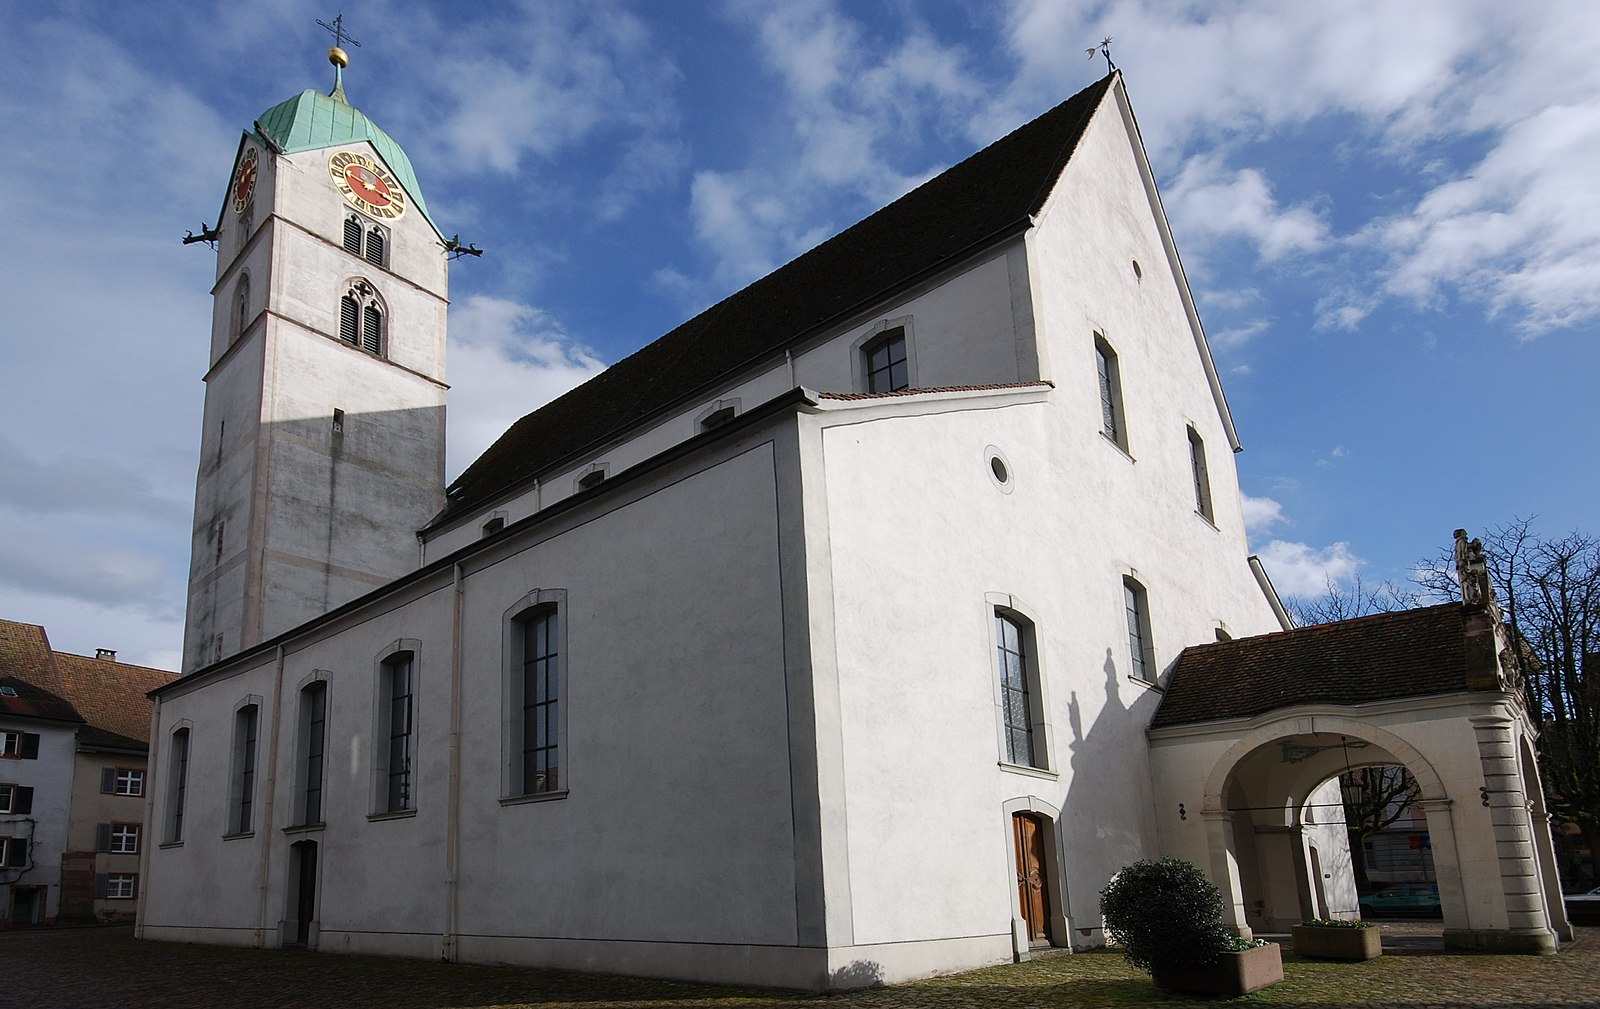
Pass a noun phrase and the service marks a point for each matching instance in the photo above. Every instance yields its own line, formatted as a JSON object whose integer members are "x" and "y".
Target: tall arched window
{"x": 361, "y": 322}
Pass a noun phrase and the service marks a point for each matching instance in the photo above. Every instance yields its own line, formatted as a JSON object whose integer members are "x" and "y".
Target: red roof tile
{"x": 31, "y": 681}
{"x": 111, "y": 697}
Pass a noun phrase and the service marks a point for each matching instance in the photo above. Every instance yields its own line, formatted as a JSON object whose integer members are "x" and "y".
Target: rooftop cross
{"x": 340, "y": 36}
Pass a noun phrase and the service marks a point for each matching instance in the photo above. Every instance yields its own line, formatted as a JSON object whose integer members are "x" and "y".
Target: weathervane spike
{"x": 1104, "y": 49}
{"x": 336, "y": 29}
{"x": 337, "y": 56}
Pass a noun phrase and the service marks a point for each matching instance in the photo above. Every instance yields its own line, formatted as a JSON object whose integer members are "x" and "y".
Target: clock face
{"x": 367, "y": 185}
{"x": 244, "y": 180}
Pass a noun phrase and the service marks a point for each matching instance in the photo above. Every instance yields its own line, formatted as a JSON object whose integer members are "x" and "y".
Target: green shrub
{"x": 1165, "y": 914}
{"x": 1336, "y": 923}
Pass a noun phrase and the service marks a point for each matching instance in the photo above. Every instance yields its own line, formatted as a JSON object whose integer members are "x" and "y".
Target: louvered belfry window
{"x": 349, "y": 319}
{"x": 365, "y": 239}
{"x": 352, "y": 235}
{"x": 374, "y": 250}
{"x": 371, "y": 330}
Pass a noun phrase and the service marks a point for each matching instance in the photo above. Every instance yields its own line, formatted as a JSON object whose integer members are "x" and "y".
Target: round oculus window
{"x": 999, "y": 468}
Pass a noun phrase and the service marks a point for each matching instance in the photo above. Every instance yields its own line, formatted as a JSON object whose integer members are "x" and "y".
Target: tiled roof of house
{"x": 979, "y": 201}
{"x": 30, "y": 681}
{"x": 1409, "y": 653}
{"x": 111, "y": 697}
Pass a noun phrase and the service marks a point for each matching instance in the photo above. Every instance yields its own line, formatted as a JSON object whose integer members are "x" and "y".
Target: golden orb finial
{"x": 338, "y": 57}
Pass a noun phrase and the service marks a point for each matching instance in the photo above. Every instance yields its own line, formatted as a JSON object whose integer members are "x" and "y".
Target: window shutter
{"x": 352, "y": 236}
{"x": 102, "y": 837}
{"x": 135, "y": 893}
{"x": 349, "y": 319}
{"x": 372, "y": 330}
{"x": 375, "y": 246}
{"x": 99, "y": 886}
{"x": 108, "y": 780}
{"x": 30, "y": 746}
{"x": 22, "y": 799}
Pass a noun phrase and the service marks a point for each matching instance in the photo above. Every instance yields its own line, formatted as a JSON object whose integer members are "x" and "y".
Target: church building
{"x": 815, "y": 644}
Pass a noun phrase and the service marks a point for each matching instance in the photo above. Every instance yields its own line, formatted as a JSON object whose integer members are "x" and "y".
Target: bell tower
{"x": 322, "y": 450}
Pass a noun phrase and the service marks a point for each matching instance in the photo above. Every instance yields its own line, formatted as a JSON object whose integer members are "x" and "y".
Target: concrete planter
{"x": 1323, "y": 943}
{"x": 1233, "y": 974}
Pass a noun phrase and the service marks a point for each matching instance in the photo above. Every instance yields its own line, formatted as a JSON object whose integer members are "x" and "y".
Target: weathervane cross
{"x": 340, "y": 36}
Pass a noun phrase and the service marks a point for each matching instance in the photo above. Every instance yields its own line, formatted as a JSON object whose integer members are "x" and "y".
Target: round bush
{"x": 1165, "y": 914}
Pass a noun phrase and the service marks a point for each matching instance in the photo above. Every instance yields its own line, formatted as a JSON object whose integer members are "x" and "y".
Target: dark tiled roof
{"x": 111, "y": 697}
{"x": 941, "y": 388}
{"x": 1410, "y": 653}
{"x": 28, "y": 668}
{"x": 983, "y": 198}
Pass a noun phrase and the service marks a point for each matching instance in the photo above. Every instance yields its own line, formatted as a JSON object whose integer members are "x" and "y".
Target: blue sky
{"x": 1390, "y": 214}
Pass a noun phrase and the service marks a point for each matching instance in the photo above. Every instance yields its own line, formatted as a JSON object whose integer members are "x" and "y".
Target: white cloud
{"x": 1298, "y": 569}
{"x": 515, "y": 359}
{"x": 1261, "y": 515}
{"x": 1210, "y": 201}
{"x": 1238, "y": 336}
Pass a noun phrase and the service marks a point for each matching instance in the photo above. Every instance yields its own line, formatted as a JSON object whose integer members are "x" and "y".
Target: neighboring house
{"x": 38, "y": 740}
{"x": 75, "y": 733}
{"x": 106, "y": 828}
{"x": 815, "y": 644}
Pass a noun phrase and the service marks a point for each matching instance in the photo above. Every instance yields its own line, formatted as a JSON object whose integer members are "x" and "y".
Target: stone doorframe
{"x": 1055, "y": 882}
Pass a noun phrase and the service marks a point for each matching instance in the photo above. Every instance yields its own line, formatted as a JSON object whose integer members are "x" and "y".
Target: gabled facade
{"x": 812, "y": 645}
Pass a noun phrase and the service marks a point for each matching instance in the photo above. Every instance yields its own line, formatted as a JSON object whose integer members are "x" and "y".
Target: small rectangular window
{"x": 129, "y": 781}
{"x": 1136, "y": 606}
{"x": 1202, "y": 480}
{"x": 398, "y": 692}
{"x": 124, "y": 839}
{"x": 313, "y": 740}
{"x": 541, "y": 697}
{"x": 178, "y": 785}
{"x": 241, "y": 813}
{"x": 14, "y": 852}
{"x": 16, "y": 798}
{"x": 887, "y": 370}
{"x": 1110, "y": 380}
{"x": 121, "y": 886}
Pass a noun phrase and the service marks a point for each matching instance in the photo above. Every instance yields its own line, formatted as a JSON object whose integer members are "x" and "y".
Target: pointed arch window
{"x": 241, "y": 306}
{"x": 363, "y": 238}
{"x": 361, "y": 318}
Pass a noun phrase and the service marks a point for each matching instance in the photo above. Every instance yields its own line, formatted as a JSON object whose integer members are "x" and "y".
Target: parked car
{"x": 1415, "y": 900}
{"x": 1583, "y": 907}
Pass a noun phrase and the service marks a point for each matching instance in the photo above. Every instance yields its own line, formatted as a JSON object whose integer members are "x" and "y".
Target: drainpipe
{"x": 452, "y": 836}
{"x": 265, "y": 877}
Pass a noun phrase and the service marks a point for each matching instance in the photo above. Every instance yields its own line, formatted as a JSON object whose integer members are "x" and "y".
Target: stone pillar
{"x": 1446, "y": 863}
{"x": 1224, "y": 869}
{"x": 1527, "y": 927}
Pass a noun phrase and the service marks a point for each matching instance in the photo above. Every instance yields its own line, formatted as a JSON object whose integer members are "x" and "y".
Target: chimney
{"x": 109, "y": 654}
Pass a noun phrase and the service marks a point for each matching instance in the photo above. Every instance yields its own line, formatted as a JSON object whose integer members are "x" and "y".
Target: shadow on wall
{"x": 1105, "y": 812}
{"x": 856, "y": 974}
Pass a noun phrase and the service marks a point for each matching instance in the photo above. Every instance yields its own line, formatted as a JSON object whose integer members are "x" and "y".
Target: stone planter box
{"x": 1233, "y": 974}
{"x": 1324, "y": 943}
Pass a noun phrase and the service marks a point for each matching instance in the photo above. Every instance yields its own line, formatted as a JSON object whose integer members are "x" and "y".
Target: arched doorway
{"x": 1038, "y": 896}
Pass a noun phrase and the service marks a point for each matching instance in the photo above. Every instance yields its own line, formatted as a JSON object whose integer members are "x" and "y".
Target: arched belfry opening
{"x": 1252, "y": 736}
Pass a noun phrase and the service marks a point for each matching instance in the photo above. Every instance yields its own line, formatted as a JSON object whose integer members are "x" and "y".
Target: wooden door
{"x": 1032, "y": 892}
{"x": 306, "y": 904}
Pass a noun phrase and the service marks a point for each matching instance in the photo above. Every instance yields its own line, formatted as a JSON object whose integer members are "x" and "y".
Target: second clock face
{"x": 244, "y": 180}
{"x": 367, "y": 185}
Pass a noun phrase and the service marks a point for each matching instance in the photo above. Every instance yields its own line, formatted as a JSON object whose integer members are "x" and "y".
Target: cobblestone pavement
{"x": 83, "y": 968}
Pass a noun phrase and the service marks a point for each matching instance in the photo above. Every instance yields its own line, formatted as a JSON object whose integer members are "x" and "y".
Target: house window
{"x": 16, "y": 798}
{"x": 1202, "y": 481}
{"x": 121, "y": 886}
{"x": 539, "y": 739}
{"x": 1014, "y": 700}
{"x": 19, "y": 745}
{"x": 886, "y": 366}
{"x": 14, "y": 852}
{"x": 241, "y": 806}
{"x": 1112, "y": 424}
{"x": 124, "y": 839}
{"x": 1138, "y": 610}
{"x": 361, "y": 321}
{"x": 313, "y": 740}
{"x": 123, "y": 781}
{"x": 398, "y": 697}
{"x": 177, "y": 785}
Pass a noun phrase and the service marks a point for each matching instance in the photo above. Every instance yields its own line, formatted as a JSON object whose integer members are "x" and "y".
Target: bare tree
{"x": 1339, "y": 603}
